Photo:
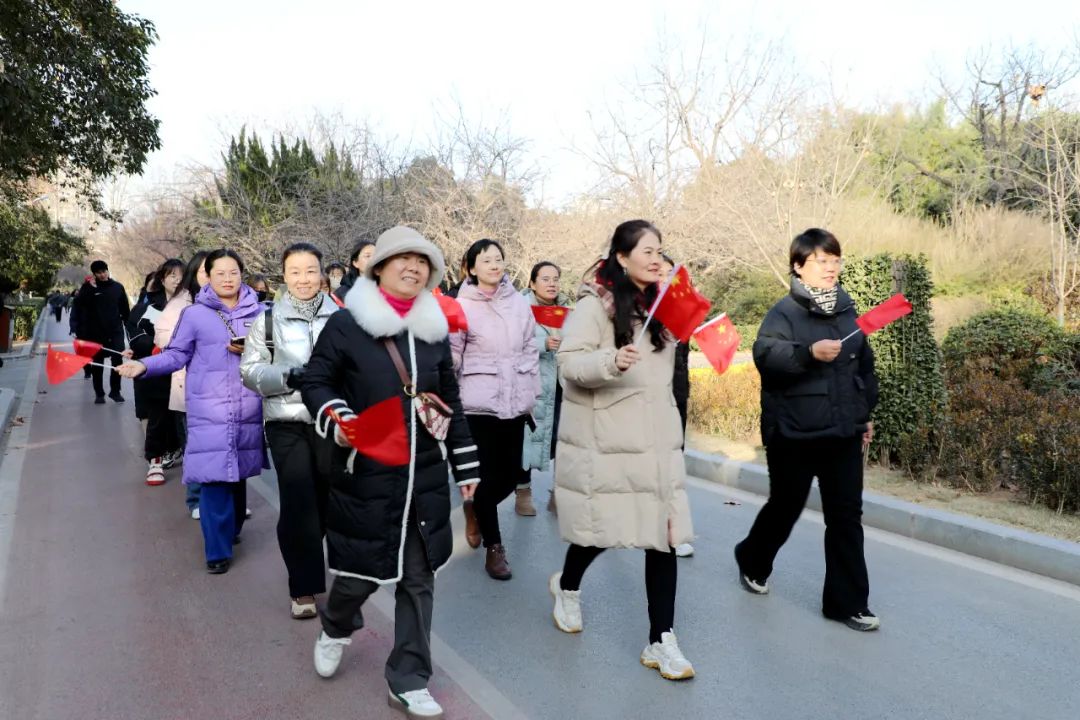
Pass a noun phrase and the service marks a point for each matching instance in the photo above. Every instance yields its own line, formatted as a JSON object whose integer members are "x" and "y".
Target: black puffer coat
{"x": 350, "y": 369}
{"x": 803, "y": 398}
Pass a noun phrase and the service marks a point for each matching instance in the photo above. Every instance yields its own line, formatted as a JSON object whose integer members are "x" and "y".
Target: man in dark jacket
{"x": 102, "y": 309}
{"x": 818, "y": 389}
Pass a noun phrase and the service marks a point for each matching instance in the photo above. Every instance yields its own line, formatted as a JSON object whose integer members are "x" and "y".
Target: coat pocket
{"x": 479, "y": 385}
{"x": 862, "y": 405}
{"x": 807, "y": 406}
{"x": 620, "y": 422}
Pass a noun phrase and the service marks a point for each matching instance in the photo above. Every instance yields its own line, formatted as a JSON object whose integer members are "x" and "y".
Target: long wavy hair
{"x": 631, "y": 304}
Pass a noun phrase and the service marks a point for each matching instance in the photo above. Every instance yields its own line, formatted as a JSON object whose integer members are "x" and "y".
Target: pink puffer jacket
{"x": 497, "y": 361}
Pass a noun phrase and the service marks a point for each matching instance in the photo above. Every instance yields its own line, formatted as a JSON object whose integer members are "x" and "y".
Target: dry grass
{"x": 984, "y": 247}
{"x": 727, "y": 405}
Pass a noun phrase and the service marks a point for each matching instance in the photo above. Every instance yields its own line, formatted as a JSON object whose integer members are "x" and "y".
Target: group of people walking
{"x": 232, "y": 378}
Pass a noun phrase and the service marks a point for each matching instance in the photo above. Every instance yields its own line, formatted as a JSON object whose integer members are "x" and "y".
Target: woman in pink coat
{"x": 498, "y": 368}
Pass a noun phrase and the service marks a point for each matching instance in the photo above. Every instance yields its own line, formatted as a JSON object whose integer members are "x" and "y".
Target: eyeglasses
{"x": 827, "y": 261}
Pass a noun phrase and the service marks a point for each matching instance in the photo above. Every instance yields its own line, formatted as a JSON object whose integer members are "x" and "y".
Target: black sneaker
{"x": 99, "y": 400}
{"x": 115, "y": 397}
{"x": 864, "y": 621}
{"x": 217, "y": 567}
{"x": 749, "y": 584}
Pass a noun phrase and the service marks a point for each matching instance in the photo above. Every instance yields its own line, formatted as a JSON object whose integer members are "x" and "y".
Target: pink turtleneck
{"x": 401, "y": 307}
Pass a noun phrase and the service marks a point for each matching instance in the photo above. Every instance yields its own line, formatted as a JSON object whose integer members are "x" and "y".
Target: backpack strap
{"x": 268, "y": 316}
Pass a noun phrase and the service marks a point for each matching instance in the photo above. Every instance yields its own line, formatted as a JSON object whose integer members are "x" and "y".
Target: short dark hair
{"x": 301, "y": 247}
{"x": 474, "y": 252}
{"x": 99, "y": 266}
{"x": 258, "y": 278}
{"x": 335, "y": 266}
{"x": 807, "y": 243}
{"x": 221, "y": 253}
{"x": 540, "y": 266}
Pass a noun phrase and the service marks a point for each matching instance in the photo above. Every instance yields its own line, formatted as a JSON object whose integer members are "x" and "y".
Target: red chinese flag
{"x": 552, "y": 316}
{"x": 379, "y": 432}
{"x": 878, "y": 317}
{"x": 87, "y": 348}
{"x": 59, "y": 366}
{"x": 682, "y": 308}
{"x": 455, "y": 314}
{"x": 337, "y": 301}
{"x": 719, "y": 340}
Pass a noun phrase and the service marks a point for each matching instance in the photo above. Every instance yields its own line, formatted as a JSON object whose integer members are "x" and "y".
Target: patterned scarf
{"x": 825, "y": 299}
{"x": 308, "y": 309}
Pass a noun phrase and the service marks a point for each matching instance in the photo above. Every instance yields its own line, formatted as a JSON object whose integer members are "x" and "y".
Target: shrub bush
{"x": 908, "y": 360}
{"x": 727, "y": 405}
{"x": 1013, "y": 415}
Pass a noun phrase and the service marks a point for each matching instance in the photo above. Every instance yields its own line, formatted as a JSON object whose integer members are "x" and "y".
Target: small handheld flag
{"x": 881, "y": 315}
{"x": 552, "y": 316}
{"x": 59, "y": 366}
{"x": 679, "y": 306}
{"x": 88, "y": 348}
{"x": 378, "y": 432}
{"x": 719, "y": 340}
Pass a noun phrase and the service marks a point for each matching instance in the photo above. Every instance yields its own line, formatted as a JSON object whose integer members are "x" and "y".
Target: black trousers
{"x": 793, "y": 464}
{"x": 115, "y": 343}
{"x": 303, "y": 487}
{"x": 498, "y": 448}
{"x": 162, "y": 430}
{"x": 409, "y": 666}
{"x": 661, "y": 581}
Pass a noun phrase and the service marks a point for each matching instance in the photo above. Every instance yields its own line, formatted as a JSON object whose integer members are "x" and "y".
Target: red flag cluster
{"x": 878, "y": 317}
{"x": 719, "y": 340}
{"x": 552, "y": 316}
{"x": 455, "y": 314}
{"x": 679, "y": 306}
{"x": 378, "y": 432}
{"x": 59, "y": 366}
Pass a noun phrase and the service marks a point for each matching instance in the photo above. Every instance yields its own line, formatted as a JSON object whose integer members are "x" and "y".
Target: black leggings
{"x": 498, "y": 448}
{"x": 661, "y": 579}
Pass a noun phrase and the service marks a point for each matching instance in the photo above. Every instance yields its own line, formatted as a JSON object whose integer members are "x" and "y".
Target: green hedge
{"x": 1013, "y": 416}
{"x": 26, "y": 317}
{"x": 907, "y": 356}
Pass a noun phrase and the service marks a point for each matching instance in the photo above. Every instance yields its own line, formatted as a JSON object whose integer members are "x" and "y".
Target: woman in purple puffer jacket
{"x": 224, "y": 441}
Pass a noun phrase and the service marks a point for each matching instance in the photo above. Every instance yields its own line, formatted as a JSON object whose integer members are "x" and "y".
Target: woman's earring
{"x": 625, "y": 271}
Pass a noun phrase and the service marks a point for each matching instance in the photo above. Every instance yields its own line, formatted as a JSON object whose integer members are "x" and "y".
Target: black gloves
{"x": 295, "y": 378}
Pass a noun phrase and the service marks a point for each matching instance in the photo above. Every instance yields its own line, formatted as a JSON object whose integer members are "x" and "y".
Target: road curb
{"x": 1058, "y": 559}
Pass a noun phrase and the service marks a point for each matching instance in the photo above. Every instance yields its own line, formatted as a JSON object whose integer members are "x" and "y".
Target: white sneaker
{"x": 195, "y": 514}
{"x": 567, "y": 611}
{"x": 303, "y": 608}
{"x": 155, "y": 474}
{"x": 666, "y": 657}
{"x": 416, "y": 704}
{"x": 328, "y": 654}
{"x": 684, "y": 550}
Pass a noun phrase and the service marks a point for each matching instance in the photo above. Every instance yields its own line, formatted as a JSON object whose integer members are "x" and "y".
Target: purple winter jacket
{"x": 497, "y": 360}
{"x": 224, "y": 418}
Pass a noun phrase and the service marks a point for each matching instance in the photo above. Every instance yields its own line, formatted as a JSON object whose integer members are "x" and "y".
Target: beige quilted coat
{"x": 619, "y": 469}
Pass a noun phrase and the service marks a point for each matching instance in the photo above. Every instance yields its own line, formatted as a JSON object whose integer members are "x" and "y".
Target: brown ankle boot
{"x": 472, "y": 525}
{"x": 496, "y": 564}
{"x": 523, "y": 504}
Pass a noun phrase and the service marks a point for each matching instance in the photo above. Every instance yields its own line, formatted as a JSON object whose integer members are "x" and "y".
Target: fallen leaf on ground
{"x": 732, "y": 502}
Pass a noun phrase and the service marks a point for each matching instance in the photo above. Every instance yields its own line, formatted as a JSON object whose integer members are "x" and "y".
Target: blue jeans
{"x": 221, "y": 515}
{"x": 191, "y": 495}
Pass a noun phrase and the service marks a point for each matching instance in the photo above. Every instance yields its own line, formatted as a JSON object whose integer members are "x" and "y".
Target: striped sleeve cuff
{"x": 466, "y": 465}
{"x": 323, "y": 421}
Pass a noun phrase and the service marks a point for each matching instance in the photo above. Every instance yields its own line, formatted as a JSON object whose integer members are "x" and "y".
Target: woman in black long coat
{"x": 390, "y": 524}
{"x": 818, "y": 388}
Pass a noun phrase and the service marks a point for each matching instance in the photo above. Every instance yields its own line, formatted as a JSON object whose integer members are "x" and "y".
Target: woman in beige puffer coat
{"x": 620, "y": 471}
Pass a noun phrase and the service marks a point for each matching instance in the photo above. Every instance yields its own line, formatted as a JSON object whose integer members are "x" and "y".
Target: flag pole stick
{"x": 656, "y": 304}
{"x": 849, "y": 335}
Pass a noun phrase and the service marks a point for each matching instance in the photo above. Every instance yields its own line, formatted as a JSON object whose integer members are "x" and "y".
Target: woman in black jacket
{"x": 390, "y": 524}
{"x": 817, "y": 393}
{"x": 163, "y": 441}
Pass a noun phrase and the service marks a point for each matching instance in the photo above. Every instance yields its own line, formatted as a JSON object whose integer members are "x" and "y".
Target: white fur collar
{"x": 372, "y": 313}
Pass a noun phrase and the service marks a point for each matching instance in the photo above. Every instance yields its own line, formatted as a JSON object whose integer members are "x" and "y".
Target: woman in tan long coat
{"x": 620, "y": 472}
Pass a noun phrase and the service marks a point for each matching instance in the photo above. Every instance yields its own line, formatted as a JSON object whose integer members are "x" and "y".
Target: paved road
{"x": 107, "y": 613}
